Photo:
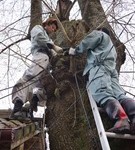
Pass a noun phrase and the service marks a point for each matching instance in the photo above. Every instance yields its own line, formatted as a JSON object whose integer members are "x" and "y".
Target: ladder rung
{"x": 121, "y": 136}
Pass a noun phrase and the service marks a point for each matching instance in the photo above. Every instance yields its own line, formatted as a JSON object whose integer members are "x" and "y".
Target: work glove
{"x": 72, "y": 51}
{"x": 57, "y": 49}
{"x": 66, "y": 51}
{"x": 53, "y": 52}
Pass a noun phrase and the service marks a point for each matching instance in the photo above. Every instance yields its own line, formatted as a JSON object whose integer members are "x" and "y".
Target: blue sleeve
{"x": 40, "y": 36}
{"x": 89, "y": 42}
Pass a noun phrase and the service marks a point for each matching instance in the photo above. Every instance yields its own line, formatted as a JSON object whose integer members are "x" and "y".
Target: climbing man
{"x": 103, "y": 80}
{"x": 29, "y": 87}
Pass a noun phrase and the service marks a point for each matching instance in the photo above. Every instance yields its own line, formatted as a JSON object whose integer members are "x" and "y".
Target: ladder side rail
{"x": 100, "y": 128}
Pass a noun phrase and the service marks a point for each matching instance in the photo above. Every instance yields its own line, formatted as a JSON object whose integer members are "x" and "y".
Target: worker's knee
{"x": 41, "y": 93}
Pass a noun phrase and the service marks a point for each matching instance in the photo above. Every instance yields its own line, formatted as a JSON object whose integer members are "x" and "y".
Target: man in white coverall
{"x": 103, "y": 80}
{"x": 29, "y": 87}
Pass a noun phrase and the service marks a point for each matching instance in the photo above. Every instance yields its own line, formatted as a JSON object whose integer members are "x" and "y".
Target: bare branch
{"x": 25, "y": 38}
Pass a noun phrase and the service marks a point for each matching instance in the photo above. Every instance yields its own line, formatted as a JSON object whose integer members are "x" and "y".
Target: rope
{"x": 82, "y": 101}
{"x": 84, "y": 108}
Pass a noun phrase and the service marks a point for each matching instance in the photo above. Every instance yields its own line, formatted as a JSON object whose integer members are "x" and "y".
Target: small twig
{"x": 13, "y": 44}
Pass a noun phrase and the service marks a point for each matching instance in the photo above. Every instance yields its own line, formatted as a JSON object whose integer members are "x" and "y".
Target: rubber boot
{"x": 116, "y": 113}
{"x": 16, "y": 113}
{"x": 129, "y": 107}
{"x": 34, "y": 103}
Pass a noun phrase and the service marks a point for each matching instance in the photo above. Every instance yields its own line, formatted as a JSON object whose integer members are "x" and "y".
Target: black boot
{"x": 117, "y": 113}
{"x": 129, "y": 107}
{"x": 34, "y": 103}
{"x": 16, "y": 113}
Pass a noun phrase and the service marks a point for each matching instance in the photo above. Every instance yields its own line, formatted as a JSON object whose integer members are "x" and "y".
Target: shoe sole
{"x": 122, "y": 130}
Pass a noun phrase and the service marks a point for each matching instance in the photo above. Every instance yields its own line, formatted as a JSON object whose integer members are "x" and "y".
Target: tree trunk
{"x": 62, "y": 9}
{"x": 36, "y": 14}
{"x": 69, "y": 127}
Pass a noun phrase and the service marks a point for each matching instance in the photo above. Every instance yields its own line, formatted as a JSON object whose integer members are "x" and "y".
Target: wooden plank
{"x": 21, "y": 141}
{"x": 5, "y": 113}
{"x": 21, "y": 147}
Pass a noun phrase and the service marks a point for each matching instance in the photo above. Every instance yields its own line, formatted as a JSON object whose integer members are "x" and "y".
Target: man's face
{"x": 51, "y": 28}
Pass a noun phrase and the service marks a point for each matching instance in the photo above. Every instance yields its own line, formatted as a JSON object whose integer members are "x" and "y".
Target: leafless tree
{"x": 69, "y": 127}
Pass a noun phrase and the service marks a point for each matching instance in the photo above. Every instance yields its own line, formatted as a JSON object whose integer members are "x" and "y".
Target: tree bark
{"x": 36, "y": 14}
{"x": 62, "y": 9}
{"x": 68, "y": 125}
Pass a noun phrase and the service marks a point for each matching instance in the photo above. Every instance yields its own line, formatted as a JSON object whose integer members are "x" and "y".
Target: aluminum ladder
{"x": 100, "y": 128}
